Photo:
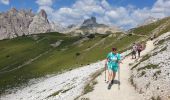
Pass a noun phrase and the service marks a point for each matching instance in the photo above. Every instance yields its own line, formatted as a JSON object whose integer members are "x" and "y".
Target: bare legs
{"x": 111, "y": 75}
{"x": 133, "y": 54}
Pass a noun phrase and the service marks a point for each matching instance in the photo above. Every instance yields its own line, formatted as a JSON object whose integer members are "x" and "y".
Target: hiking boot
{"x": 112, "y": 81}
{"x": 107, "y": 82}
{"x": 109, "y": 86}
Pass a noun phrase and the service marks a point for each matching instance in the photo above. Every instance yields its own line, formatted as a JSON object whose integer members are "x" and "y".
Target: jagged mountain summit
{"x": 90, "y": 26}
{"x": 40, "y": 23}
{"x": 14, "y": 23}
{"x": 91, "y": 23}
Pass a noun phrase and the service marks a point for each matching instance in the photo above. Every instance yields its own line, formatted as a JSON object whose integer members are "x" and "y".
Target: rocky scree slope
{"x": 151, "y": 75}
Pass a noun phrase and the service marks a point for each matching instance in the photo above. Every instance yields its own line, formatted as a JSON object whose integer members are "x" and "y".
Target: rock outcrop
{"x": 89, "y": 23}
{"x": 14, "y": 23}
{"x": 40, "y": 23}
{"x": 90, "y": 26}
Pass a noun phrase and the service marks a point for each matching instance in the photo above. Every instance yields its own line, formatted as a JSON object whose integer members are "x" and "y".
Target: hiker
{"x": 112, "y": 63}
{"x": 134, "y": 50}
{"x": 139, "y": 49}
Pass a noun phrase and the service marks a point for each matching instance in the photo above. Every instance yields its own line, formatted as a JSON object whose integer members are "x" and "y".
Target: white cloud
{"x": 6, "y": 2}
{"x": 126, "y": 17}
{"x": 112, "y": 14}
{"x": 161, "y": 8}
{"x": 44, "y": 2}
{"x": 104, "y": 4}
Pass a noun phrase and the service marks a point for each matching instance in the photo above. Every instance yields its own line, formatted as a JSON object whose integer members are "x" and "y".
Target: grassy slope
{"x": 17, "y": 51}
{"x": 147, "y": 29}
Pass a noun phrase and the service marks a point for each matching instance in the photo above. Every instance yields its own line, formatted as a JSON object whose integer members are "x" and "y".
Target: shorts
{"x": 133, "y": 52}
{"x": 139, "y": 50}
{"x": 113, "y": 68}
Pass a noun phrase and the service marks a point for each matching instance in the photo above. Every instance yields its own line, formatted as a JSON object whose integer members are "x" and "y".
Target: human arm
{"x": 119, "y": 58}
{"x": 106, "y": 63}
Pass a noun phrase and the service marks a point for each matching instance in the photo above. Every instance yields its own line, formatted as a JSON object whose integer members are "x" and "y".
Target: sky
{"x": 125, "y": 14}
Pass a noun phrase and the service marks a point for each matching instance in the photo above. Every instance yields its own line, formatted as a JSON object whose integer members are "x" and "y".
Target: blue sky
{"x": 27, "y": 4}
{"x": 122, "y": 13}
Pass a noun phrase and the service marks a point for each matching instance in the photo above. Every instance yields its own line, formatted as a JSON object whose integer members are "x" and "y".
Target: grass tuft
{"x": 148, "y": 67}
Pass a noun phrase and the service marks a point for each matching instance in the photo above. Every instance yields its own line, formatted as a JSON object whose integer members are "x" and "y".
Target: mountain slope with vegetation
{"x": 33, "y": 56}
{"x": 153, "y": 29}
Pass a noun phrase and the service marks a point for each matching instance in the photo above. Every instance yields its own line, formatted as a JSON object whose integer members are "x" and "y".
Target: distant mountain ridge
{"x": 149, "y": 20}
{"x": 14, "y": 23}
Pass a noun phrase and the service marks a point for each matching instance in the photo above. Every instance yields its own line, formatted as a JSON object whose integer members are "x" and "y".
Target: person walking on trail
{"x": 112, "y": 63}
{"x": 134, "y": 50}
{"x": 139, "y": 49}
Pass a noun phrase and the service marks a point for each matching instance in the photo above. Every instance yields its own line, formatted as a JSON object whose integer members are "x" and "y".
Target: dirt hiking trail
{"x": 127, "y": 91}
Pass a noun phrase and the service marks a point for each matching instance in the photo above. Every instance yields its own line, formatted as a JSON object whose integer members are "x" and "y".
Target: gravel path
{"x": 126, "y": 92}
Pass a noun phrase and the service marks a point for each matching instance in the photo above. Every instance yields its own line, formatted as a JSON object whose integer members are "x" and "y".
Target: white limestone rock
{"x": 152, "y": 76}
{"x": 40, "y": 24}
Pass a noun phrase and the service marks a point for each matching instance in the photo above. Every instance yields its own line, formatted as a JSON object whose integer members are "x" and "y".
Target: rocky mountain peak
{"x": 13, "y": 11}
{"x": 90, "y": 26}
{"x": 71, "y": 26}
{"x": 16, "y": 23}
{"x": 43, "y": 13}
{"x": 91, "y": 21}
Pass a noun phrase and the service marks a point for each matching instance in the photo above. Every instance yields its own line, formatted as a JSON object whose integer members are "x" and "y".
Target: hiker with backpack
{"x": 139, "y": 49}
{"x": 134, "y": 50}
{"x": 112, "y": 64}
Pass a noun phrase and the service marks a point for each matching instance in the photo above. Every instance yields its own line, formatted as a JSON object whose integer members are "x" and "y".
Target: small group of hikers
{"x": 136, "y": 49}
{"x": 113, "y": 61}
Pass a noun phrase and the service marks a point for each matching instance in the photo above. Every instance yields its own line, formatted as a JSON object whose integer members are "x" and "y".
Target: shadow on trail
{"x": 115, "y": 82}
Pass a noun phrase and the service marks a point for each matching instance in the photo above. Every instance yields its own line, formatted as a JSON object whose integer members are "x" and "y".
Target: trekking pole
{"x": 105, "y": 72}
{"x": 119, "y": 78}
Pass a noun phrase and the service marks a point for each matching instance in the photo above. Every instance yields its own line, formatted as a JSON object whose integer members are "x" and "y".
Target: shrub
{"x": 77, "y": 54}
{"x": 7, "y": 56}
{"x": 148, "y": 67}
{"x": 91, "y": 36}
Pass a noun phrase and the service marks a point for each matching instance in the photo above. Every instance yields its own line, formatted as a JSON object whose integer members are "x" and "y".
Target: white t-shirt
{"x": 134, "y": 48}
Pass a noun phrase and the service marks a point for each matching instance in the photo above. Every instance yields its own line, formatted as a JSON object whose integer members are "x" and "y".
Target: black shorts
{"x": 139, "y": 50}
{"x": 133, "y": 52}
